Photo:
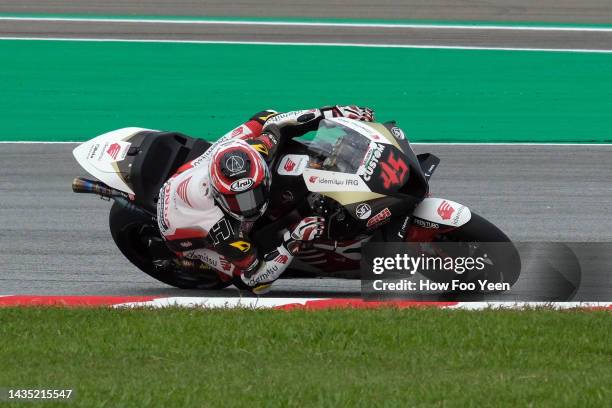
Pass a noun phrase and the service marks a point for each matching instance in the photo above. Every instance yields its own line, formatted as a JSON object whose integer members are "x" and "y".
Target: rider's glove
{"x": 352, "y": 112}
{"x": 310, "y": 228}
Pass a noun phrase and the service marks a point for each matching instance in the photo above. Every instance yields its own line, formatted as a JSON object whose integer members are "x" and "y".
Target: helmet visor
{"x": 248, "y": 204}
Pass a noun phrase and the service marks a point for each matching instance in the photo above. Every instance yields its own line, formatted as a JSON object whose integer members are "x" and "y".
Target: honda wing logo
{"x": 290, "y": 165}
{"x": 182, "y": 191}
{"x": 113, "y": 150}
{"x": 445, "y": 210}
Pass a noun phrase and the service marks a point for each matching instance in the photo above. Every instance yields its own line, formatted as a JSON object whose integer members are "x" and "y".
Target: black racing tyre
{"x": 132, "y": 231}
{"x": 482, "y": 238}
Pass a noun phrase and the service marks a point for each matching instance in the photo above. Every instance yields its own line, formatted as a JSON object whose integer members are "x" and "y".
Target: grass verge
{"x": 186, "y": 357}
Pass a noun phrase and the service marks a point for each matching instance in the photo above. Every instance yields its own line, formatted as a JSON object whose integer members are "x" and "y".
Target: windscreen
{"x": 335, "y": 147}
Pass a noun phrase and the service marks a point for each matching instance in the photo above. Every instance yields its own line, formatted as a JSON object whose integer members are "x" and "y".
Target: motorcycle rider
{"x": 207, "y": 209}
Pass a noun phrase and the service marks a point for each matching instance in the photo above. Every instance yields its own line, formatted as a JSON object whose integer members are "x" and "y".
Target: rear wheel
{"x": 138, "y": 239}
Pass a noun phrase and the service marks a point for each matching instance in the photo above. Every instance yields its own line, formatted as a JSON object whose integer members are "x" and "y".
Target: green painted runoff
{"x": 73, "y": 91}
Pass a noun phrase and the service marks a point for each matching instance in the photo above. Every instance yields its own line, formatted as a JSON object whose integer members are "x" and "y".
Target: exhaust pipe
{"x": 86, "y": 186}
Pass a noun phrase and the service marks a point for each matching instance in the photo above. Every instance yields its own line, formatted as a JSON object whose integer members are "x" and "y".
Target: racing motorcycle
{"x": 364, "y": 178}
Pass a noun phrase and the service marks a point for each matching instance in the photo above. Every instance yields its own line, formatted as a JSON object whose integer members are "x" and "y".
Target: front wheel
{"x": 480, "y": 238}
{"x": 133, "y": 233}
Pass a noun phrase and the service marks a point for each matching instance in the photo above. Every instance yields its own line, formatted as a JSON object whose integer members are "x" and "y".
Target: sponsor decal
{"x": 202, "y": 256}
{"x": 234, "y": 164}
{"x": 398, "y": 133}
{"x": 292, "y": 165}
{"x": 242, "y": 184}
{"x": 162, "y": 209}
{"x": 201, "y": 159}
{"x": 371, "y": 161}
{"x": 334, "y": 181}
{"x": 458, "y": 215}
{"x": 181, "y": 190}
{"x": 393, "y": 171}
{"x": 430, "y": 170}
{"x": 265, "y": 276}
{"x": 272, "y": 138}
{"x": 93, "y": 150}
{"x": 402, "y": 232}
{"x": 363, "y": 211}
{"x": 379, "y": 218}
{"x": 243, "y": 246}
{"x": 445, "y": 210}
{"x": 289, "y": 164}
{"x": 282, "y": 259}
{"x": 426, "y": 224}
{"x": 237, "y": 131}
{"x": 113, "y": 150}
{"x": 323, "y": 180}
{"x": 280, "y": 117}
{"x": 186, "y": 244}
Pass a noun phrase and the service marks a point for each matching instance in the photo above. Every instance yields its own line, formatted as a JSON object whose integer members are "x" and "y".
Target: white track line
{"x": 272, "y": 303}
{"x": 311, "y": 24}
{"x": 322, "y": 44}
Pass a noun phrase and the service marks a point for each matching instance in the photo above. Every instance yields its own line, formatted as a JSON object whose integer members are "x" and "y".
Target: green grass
{"x": 183, "y": 358}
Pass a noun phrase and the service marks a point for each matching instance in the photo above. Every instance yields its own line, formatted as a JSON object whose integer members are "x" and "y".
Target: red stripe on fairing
{"x": 186, "y": 233}
{"x": 71, "y": 301}
{"x": 361, "y": 304}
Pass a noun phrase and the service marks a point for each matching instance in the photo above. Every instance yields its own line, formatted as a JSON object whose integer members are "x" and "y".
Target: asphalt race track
{"x": 56, "y": 242}
{"x": 414, "y": 36}
{"x": 586, "y": 11}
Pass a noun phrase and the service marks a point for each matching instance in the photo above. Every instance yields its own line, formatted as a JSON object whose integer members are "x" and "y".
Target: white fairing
{"x": 443, "y": 212}
{"x": 99, "y": 155}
